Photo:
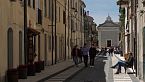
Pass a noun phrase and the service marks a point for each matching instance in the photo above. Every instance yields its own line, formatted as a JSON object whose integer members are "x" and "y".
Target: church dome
{"x": 108, "y": 23}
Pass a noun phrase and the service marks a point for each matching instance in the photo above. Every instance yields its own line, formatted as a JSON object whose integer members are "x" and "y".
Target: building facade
{"x": 133, "y": 26}
{"x": 47, "y": 35}
{"x": 89, "y": 30}
{"x": 108, "y": 33}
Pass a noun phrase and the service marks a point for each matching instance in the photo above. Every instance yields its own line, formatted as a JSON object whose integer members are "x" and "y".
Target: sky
{"x": 99, "y": 10}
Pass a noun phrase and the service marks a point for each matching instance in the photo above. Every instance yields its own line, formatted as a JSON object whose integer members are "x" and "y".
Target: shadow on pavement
{"x": 92, "y": 74}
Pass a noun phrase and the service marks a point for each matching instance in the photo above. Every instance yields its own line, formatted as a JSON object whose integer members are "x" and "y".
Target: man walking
{"x": 75, "y": 53}
{"x": 92, "y": 54}
{"x": 85, "y": 51}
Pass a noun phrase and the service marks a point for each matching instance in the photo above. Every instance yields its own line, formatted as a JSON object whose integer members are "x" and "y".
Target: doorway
{"x": 109, "y": 43}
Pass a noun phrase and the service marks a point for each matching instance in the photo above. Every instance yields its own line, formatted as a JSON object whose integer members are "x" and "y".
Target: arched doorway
{"x": 10, "y": 47}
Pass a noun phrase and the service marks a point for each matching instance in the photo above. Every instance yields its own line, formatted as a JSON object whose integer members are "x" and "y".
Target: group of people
{"x": 90, "y": 52}
{"x": 85, "y": 53}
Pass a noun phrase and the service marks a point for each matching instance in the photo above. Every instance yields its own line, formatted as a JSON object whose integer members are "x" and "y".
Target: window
{"x": 59, "y": 14}
{"x": 10, "y": 47}
{"x": 49, "y": 46}
{"x": 39, "y": 16}
{"x": 29, "y": 3}
{"x": 64, "y": 17}
{"x": 50, "y": 9}
{"x": 45, "y": 9}
{"x": 34, "y": 4}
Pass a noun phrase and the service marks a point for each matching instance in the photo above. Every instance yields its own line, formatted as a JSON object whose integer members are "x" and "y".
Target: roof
{"x": 108, "y": 23}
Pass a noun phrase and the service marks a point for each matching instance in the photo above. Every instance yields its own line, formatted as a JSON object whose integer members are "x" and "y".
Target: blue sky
{"x": 99, "y": 10}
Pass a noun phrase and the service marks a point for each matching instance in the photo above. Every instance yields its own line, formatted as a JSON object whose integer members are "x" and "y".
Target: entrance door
{"x": 108, "y": 43}
{"x": 144, "y": 54}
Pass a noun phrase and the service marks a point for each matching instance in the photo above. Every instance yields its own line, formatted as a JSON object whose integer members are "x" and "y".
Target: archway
{"x": 10, "y": 47}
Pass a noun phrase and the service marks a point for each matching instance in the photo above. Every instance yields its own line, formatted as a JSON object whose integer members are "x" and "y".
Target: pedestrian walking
{"x": 75, "y": 52}
{"x": 85, "y": 51}
{"x": 92, "y": 54}
{"x": 80, "y": 55}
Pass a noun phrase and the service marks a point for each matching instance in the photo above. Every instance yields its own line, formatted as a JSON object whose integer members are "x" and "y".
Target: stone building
{"x": 108, "y": 33}
{"x": 49, "y": 28}
{"x": 132, "y": 18}
{"x": 89, "y": 30}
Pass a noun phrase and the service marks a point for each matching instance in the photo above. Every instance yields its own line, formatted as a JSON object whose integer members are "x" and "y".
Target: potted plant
{"x": 42, "y": 65}
{"x": 38, "y": 66}
{"x": 22, "y": 71}
{"x": 31, "y": 69}
{"x": 12, "y": 75}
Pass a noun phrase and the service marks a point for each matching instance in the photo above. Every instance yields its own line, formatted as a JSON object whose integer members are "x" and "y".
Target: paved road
{"x": 99, "y": 73}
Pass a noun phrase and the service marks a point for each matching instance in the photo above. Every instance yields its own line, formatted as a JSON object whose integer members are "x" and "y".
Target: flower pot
{"x": 12, "y": 75}
{"x": 22, "y": 71}
{"x": 31, "y": 69}
{"x": 38, "y": 66}
{"x": 42, "y": 65}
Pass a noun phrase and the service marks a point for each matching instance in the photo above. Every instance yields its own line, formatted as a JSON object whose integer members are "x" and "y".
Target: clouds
{"x": 100, "y": 9}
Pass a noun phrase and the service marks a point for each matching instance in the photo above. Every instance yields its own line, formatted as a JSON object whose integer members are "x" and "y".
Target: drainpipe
{"x": 68, "y": 31}
{"x": 65, "y": 30}
{"x": 52, "y": 31}
{"x": 135, "y": 39}
{"x": 25, "y": 31}
{"x": 55, "y": 35}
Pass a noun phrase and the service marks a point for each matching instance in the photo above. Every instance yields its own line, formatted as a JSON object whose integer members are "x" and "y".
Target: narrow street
{"x": 44, "y": 40}
{"x": 99, "y": 73}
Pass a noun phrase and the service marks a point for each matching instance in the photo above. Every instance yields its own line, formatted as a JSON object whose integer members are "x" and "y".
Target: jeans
{"x": 119, "y": 64}
{"x": 85, "y": 60}
{"x": 75, "y": 59}
{"x": 92, "y": 61}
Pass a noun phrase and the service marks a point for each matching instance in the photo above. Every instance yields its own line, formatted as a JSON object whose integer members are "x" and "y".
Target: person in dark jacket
{"x": 80, "y": 55}
{"x": 92, "y": 54}
{"x": 75, "y": 52}
{"x": 85, "y": 51}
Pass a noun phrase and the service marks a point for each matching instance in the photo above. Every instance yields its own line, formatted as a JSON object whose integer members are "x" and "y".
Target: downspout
{"x": 55, "y": 36}
{"x": 65, "y": 30}
{"x": 68, "y": 31}
{"x": 135, "y": 39}
{"x": 52, "y": 32}
{"x": 25, "y": 31}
